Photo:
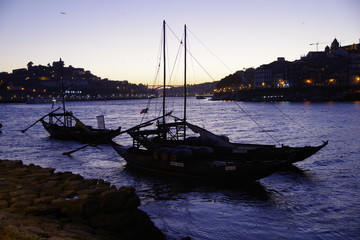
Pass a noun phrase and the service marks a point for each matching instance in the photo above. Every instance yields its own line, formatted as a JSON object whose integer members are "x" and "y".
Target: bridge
{"x": 162, "y": 86}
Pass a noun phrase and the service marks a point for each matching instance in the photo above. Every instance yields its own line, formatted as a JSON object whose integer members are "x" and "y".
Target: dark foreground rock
{"x": 37, "y": 203}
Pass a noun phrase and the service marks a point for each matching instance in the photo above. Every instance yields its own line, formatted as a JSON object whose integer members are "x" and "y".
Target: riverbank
{"x": 44, "y": 100}
{"x": 39, "y": 203}
{"x": 314, "y": 94}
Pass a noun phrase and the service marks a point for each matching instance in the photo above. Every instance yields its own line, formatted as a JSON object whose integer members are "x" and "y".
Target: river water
{"x": 318, "y": 199}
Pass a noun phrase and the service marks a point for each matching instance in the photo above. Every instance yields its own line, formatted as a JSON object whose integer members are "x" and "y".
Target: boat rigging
{"x": 169, "y": 149}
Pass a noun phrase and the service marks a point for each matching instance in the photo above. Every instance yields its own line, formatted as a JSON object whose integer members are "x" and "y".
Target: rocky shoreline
{"x": 37, "y": 203}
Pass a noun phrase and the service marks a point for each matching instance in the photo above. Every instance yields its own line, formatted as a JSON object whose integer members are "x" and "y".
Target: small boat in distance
{"x": 177, "y": 147}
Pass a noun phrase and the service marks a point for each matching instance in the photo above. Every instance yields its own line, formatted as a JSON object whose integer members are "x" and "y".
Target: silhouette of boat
{"x": 178, "y": 147}
{"x": 65, "y": 126}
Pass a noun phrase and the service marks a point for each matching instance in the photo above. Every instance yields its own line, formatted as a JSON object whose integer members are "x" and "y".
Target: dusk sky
{"x": 119, "y": 40}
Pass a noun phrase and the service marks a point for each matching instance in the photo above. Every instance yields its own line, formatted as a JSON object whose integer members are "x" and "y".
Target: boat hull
{"x": 80, "y": 134}
{"x": 237, "y": 152}
{"x": 283, "y": 155}
{"x": 200, "y": 167}
{"x": 219, "y": 166}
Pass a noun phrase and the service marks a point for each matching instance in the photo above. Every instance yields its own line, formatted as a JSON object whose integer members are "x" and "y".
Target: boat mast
{"x": 62, "y": 84}
{"x": 185, "y": 91}
{"x": 164, "y": 83}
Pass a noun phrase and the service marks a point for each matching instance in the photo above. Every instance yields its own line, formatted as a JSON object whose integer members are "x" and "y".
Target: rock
{"x": 40, "y": 209}
{"x": 18, "y": 172}
{"x": 132, "y": 203}
{"x": 111, "y": 200}
{"x": 46, "y": 199}
{"x": 20, "y": 202}
{"x": 19, "y": 233}
{"x": 51, "y": 188}
{"x": 37, "y": 203}
{"x": 80, "y": 230}
{"x": 4, "y": 195}
{"x": 36, "y": 230}
{"x": 21, "y": 193}
{"x": 89, "y": 207}
{"x": 4, "y": 204}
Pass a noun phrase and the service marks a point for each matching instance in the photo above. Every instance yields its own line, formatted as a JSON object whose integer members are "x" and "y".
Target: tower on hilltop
{"x": 335, "y": 44}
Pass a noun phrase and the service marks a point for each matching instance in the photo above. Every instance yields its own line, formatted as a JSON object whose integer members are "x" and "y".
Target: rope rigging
{"x": 210, "y": 51}
{"x": 302, "y": 127}
{"x": 173, "y": 71}
{"x": 257, "y": 123}
{"x": 158, "y": 69}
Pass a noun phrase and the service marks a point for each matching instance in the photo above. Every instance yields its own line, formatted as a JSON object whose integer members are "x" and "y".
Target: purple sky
{"x": 120, "y": 40}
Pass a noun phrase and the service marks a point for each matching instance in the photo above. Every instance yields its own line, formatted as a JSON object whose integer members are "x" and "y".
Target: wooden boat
{"x": 66, "y": 126}
{"x": 178, "y": 147}
{"x": 207, "y": 155}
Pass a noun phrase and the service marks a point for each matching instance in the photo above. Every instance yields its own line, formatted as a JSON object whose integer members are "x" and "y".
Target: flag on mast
{"x": 145, "y": 110}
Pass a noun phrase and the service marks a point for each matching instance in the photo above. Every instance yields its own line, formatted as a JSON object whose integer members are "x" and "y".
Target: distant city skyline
{"x": 120, "y": 40}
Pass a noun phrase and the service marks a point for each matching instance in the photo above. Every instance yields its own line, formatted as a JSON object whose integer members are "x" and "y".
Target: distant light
{"x": 73, "y": 92}
{"x": 309, "y": 81}
{"x": 357, "y": 79}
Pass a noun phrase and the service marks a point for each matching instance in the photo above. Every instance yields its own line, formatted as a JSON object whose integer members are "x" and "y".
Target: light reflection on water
{"x": 318, "y": 199}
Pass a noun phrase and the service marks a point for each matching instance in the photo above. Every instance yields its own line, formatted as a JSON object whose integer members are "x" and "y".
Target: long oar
{"x": 71, "y": 152}
{"x": 39, "y": 120}
{"x": 93, "y": 143}
{"x": 130, "y": 129}
{"x": 89, "y": 144}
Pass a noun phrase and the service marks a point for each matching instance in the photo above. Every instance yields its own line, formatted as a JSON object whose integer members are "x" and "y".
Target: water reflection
{"x": 174, "y": 188}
